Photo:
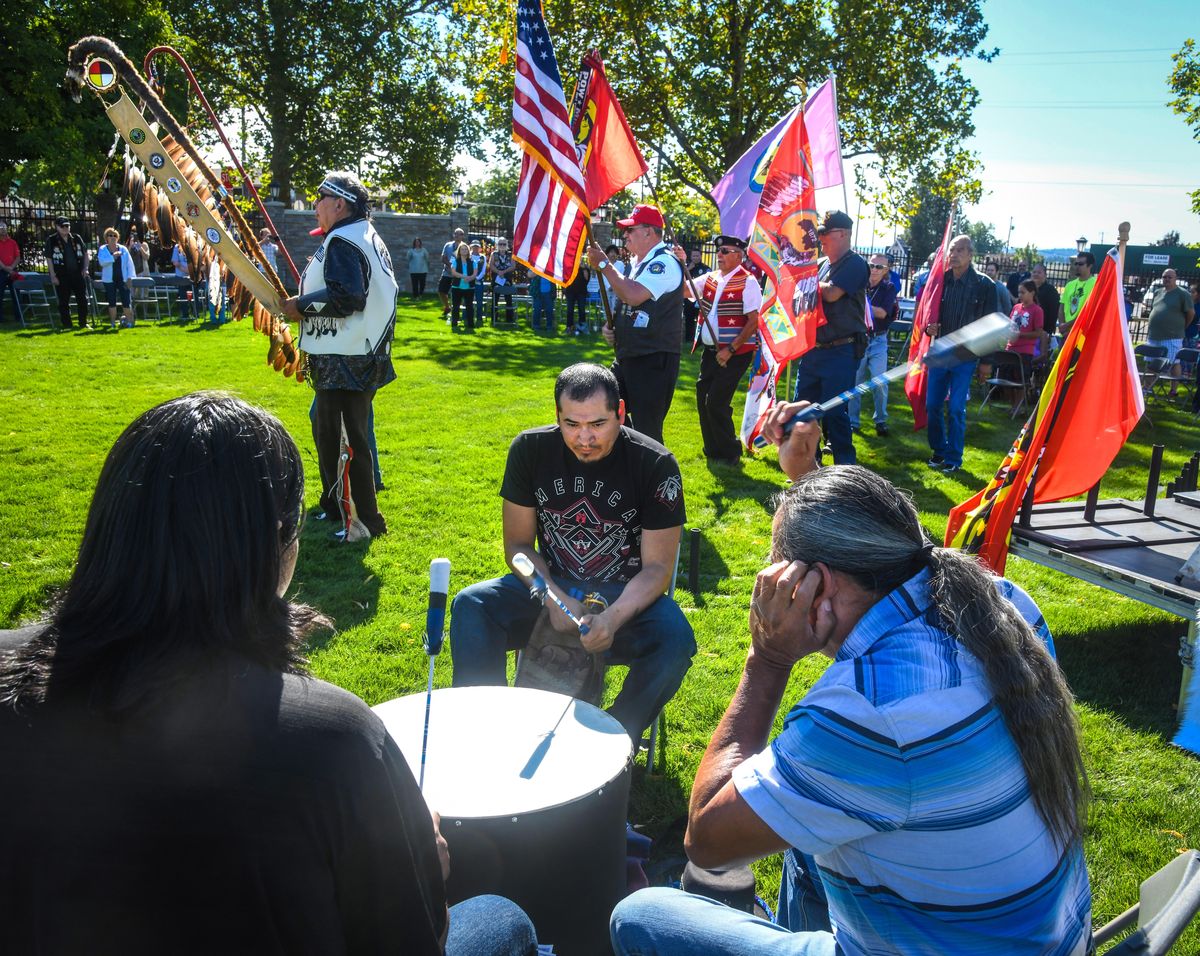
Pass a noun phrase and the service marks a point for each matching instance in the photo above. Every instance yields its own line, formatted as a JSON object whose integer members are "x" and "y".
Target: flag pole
{"x": 591, "y": 241}
{"x": 1122, "y": 239}
{"x": 837, "y": 128}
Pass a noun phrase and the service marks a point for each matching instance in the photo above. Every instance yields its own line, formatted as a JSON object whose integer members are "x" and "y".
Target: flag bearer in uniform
{"x": 727, "y": 330}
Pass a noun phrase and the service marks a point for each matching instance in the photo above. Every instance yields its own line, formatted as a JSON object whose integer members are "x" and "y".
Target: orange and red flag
{"x": 1090, "y": 404}
{"x": 784, "y": 246}
{"x": 608, "y": 153}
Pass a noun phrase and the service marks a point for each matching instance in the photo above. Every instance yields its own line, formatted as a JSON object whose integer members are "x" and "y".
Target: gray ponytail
{"x": 858, "y": 523}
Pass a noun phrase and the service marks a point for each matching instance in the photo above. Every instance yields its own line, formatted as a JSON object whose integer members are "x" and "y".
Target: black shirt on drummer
{"x": 277, "y": 801}
{"x": 591, "y": 515}
{"x": 598, "y": 508}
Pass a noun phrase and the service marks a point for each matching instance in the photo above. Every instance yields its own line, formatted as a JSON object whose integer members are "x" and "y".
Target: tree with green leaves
{"x": 50, "y": 146}
{"x": 358, "y": 84}
{"x": 925, "y": 228}
{"x": 1185, "y": 85}
{"x": 700, "y": 87}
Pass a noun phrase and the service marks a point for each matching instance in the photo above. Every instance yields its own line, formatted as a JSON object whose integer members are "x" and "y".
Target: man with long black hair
{"x": 174, "y": 781}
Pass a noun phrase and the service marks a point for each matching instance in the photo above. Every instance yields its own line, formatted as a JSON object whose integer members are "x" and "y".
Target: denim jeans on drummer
{"x": 490, "y": 926}
{"x": 948, "y": 440}
{"x": 489, "y": 619}
{"x": 874, "y": 362}
{"x": 666, "y": 922}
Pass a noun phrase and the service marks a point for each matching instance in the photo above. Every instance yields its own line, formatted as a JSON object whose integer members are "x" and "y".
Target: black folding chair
{"x": 1008, "y": 372}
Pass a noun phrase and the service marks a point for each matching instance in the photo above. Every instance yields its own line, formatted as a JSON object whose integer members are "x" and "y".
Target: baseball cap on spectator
{"x": 643, "y": 215}
{"x": 835, "y": 219}
{"x": 62, "y": 221}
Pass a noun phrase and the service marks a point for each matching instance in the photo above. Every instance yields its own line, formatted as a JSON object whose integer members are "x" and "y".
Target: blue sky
{"x": 1072, "y": 130}
{"x": 1078, "y": 95}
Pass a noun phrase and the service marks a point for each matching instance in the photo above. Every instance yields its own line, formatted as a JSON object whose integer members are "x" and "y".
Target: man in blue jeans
{"x": 604, "y": 506}
{"x": 828, "y": 369}
{"x": 966, "y": 296}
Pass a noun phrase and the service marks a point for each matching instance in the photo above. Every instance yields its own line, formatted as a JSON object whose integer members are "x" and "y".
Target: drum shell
{"x": 564, "y": 866}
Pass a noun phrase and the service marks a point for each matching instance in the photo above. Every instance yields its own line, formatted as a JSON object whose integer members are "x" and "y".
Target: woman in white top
{"x": 116, "y": 269}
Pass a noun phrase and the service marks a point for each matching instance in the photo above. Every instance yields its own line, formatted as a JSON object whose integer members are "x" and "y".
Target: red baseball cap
{"x": 643, "y": 215}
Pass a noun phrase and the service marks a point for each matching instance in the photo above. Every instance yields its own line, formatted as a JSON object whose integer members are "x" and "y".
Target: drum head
{"x": 505, "y": 751}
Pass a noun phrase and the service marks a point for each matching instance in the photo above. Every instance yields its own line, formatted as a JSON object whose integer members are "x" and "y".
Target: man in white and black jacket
{"x": 347, "y": 313}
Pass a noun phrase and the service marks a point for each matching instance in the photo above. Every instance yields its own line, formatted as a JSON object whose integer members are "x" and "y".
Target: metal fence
{"x": 32, "y": 223}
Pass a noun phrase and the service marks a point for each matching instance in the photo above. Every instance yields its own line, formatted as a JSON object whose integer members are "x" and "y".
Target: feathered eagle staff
{"x": 181, "y": 196}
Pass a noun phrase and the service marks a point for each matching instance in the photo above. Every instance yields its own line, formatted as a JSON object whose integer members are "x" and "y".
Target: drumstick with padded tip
{"x": 981, "y": 337}
{"x": 435, "y": 623}
{"x": 539, "y": 589}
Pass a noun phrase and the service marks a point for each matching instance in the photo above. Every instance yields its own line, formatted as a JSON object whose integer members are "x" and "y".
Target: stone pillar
{"x": 275, "y": 210}
{"x": 602, "y": 232}
{"x": 459, "y": 218}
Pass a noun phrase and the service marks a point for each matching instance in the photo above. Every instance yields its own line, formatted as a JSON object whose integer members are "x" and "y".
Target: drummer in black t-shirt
{"x": 604, "y": 505}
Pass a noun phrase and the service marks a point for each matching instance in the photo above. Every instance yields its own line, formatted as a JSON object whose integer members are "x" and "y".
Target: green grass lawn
{"x": 444, "y": 427}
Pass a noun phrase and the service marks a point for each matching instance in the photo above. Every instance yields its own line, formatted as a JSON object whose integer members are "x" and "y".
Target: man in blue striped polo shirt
{"x": 928, "y": 790}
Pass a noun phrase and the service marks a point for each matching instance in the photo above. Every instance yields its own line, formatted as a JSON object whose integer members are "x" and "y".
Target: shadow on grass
{"x": 1132, "y": 673}
{"x": 332, "y": 577}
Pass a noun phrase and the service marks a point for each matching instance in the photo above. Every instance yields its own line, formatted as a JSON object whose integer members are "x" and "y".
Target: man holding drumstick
{"x": 604, "y": 505}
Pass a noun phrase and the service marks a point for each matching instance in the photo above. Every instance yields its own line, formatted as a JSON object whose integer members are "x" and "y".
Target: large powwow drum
{"x": 533, "y": 790}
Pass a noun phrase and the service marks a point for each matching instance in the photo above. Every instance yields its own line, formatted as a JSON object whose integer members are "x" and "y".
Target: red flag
{"x": 1091, "y": 402}
{"x": 784, "y": 246}
{"x": 916, "y": 383}
{"x": 608, "y": 153}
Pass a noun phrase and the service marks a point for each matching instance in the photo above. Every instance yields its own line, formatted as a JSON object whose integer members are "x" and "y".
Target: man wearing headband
{"x": 727, "y": 328}
{"x": 347, "y": 312}
{"x": 648, "y": 335}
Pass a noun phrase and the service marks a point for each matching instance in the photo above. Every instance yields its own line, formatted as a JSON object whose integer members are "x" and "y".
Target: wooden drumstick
{"x": 541, "y": 590}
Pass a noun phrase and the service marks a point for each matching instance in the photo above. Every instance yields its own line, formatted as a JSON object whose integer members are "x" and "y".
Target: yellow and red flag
{"x": 608, "y": 153}
{"x": 916, "y": 383}
{"x": 784, "y": 246}
{"x": 1090, "y": 404}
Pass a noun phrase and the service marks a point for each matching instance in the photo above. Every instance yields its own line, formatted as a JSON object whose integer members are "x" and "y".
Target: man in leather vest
{"x": 347, "y": 313}
{"x": 829, "y": 368}
{"x": 647, "y": 336}
{"x": 727, "y": 331}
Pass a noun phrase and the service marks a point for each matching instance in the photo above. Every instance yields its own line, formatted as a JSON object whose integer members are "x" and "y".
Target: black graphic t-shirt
{"x": 590, "y": 515}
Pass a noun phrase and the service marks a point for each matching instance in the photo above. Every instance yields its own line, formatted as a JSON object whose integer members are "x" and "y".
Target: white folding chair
{"x": 1167, "y": 902}
{"x": 147, "y": 299}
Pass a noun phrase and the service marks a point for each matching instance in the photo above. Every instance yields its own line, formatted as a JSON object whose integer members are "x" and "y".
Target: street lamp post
{"x": 457, "y": 198}
{"x": 1081, "y": 244}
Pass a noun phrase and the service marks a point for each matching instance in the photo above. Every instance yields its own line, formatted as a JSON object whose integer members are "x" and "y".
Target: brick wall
{"x": 398, "y": 230}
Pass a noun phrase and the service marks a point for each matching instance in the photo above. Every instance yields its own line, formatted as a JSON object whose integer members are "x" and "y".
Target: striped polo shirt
{"x": 897, "y": 773}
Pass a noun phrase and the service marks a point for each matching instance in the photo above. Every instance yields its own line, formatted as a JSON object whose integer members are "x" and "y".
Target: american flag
{"x": 551, "y": 215}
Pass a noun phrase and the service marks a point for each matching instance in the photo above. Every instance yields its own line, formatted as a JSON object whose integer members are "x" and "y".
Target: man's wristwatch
{"x": 602, "y": 265}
